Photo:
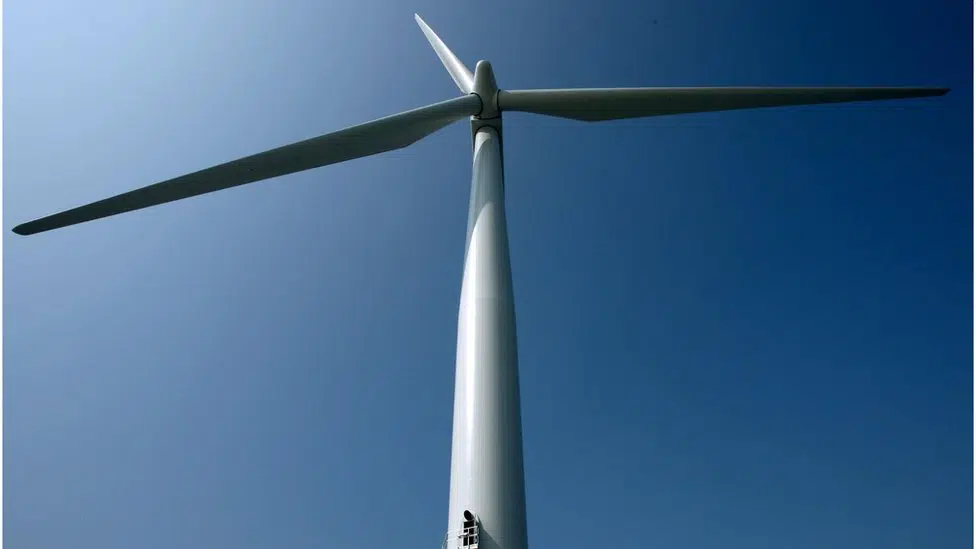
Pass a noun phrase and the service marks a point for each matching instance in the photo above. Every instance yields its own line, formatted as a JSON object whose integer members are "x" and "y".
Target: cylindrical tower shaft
{"x": 487, "y": 475}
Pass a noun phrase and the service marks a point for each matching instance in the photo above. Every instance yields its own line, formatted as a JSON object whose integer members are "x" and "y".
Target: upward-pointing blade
{"x": 459, "y": 73}
{"x": 381, "y": 135}
{"x": 597, "y": 104}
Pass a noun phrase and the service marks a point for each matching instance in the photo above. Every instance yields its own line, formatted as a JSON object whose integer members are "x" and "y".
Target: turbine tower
{"x": 487, "y": 489}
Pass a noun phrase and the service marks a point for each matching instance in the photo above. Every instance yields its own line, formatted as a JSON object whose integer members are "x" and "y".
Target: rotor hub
{"x": 486, "y": 89}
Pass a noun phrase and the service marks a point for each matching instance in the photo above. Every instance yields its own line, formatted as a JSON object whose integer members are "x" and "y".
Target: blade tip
{"x": 933, "y": 91}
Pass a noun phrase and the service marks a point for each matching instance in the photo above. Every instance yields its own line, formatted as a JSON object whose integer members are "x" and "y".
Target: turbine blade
{"x": 461, "y": 75}
{"x": 615, "y": 103}
{"x": 377, "y": 136}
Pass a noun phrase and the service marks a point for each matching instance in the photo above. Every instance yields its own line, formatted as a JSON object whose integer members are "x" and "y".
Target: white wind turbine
{"x": 487, "y": 492}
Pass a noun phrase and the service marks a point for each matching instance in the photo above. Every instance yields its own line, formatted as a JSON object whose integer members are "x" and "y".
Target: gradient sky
{"x": 737, "y": 330}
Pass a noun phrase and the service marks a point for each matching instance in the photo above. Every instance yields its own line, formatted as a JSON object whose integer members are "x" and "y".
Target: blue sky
{"x": 737, "y": 330}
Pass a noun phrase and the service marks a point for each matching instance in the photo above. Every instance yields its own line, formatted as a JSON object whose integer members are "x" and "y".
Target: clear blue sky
{"x": 737, "y": 330}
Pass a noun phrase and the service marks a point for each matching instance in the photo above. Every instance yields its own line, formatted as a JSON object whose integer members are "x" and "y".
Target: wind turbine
{"x": 487, "y": 491}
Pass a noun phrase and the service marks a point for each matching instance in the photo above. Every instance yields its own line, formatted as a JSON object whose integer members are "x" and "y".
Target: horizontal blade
{"x": 461, "y": 75}
{"x": 615, "y": 103}
{"x": 384, "y": 134}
